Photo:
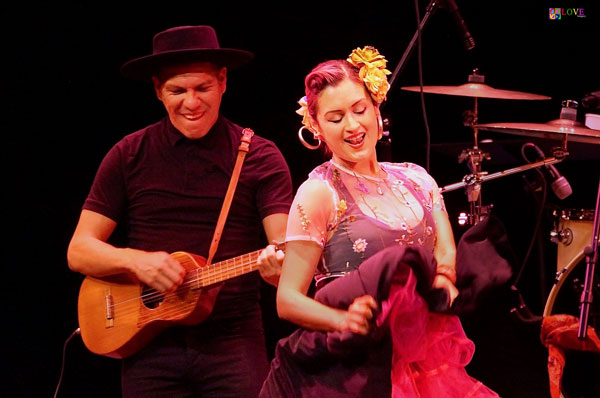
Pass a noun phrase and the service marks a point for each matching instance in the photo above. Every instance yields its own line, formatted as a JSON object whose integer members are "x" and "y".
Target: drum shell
{"x": 580, "y": 378}
{"x": 575, "y": 225}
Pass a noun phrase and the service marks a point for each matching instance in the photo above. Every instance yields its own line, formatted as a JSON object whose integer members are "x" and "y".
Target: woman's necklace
{"x": 361, "y": 186}
{"x": 405, "y": 202}
{"x": 408, "y": 232}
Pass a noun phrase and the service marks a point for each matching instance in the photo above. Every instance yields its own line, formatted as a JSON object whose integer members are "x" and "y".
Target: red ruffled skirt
{"x": 430, "y": 351}
{"x": 410, "y": 351}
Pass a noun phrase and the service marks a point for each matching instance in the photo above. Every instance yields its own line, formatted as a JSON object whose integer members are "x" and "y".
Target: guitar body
{"x": 118, "y": 315}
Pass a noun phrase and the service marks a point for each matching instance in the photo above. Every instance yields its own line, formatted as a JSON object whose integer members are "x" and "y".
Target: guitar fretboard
{"x": 223, "y": 270}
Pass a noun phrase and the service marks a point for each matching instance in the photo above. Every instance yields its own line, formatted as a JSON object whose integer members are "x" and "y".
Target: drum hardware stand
{"x": 472, "y": 183}
{"x": 474, "y": 157}
{"x": 591, "y": 258}
{"x": 560, "y": 234}
{"x": 568, "y": 111}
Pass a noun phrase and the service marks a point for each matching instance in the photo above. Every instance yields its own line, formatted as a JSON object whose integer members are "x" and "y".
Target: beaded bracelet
{"x": 448, "y": 271}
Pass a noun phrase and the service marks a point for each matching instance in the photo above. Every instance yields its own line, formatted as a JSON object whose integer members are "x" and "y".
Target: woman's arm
{"x": 445, "y": 254}
{"x": 301, "y": 259}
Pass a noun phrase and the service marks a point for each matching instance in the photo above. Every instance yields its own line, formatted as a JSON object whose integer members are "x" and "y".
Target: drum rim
{"x": 577, "y": 214}
{"x": 560, "y": 280}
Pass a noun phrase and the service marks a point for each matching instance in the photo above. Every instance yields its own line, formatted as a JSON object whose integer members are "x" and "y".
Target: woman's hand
{"x": 359, "y": 314}
{"x": 443, "y": 282}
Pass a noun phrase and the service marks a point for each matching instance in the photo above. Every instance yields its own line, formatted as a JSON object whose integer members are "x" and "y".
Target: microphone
{"x": 451, "y": 6}
{"x": 559, "y": 184}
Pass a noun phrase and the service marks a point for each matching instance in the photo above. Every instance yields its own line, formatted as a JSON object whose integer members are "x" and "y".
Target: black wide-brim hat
{"x": 184, "y": 44}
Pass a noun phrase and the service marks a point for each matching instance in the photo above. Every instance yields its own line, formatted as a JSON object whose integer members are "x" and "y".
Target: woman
{"x": 369, "y": 330}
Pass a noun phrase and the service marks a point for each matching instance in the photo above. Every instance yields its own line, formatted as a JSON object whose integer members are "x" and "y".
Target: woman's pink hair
{"x": 328, "y": 73}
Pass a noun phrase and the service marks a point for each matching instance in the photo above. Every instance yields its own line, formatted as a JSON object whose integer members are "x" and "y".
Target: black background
{"x": 64, "y": 105}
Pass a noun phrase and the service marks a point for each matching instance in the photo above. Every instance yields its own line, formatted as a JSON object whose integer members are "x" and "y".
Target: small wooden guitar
{"x": 118, "y": 315}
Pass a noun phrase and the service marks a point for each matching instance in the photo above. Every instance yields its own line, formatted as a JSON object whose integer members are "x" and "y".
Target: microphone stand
{"x": 431, "y": 8}
{"x": 477, "y": 178}
{"x": 384, "y": 144}
{"x": 591, "y": 258}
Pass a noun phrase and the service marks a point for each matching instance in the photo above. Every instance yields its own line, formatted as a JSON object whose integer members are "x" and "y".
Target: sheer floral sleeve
{"x": 419, "y": 176}
{"x": 312, "y": 214}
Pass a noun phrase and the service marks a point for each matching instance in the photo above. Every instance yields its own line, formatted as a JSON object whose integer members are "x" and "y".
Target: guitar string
{"x": 211, "y": 276}
{"x": 206, "y": 275}
{"x": 209, "y": 272}
{"x": 156, "y": 296}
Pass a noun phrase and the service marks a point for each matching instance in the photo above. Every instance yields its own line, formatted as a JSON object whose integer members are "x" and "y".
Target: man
{"x": 166, "y": 185}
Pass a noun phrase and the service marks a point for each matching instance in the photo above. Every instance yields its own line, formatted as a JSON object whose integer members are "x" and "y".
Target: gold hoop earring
{"x": 305, "y": 143}
{"x": 379, "y": 126}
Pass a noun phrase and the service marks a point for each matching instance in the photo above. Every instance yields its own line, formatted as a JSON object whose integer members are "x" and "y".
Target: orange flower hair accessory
{"x": 372, "y": 71}
{"x": 307, "y": 124}
{"x": 306, "y": 119}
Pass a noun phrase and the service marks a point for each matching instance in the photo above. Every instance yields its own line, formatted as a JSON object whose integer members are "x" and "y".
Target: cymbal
{"x": 479, "y": 90}
{"x": 554, "y": 129}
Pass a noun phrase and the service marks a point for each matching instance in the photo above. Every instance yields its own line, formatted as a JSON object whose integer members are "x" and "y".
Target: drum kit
{"x": 574, "y": 229}
{"x": 564, "y": 129}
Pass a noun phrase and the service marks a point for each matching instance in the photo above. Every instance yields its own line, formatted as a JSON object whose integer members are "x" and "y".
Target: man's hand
{"x": 158, "y": 270}
{"x": 269, "y": 264}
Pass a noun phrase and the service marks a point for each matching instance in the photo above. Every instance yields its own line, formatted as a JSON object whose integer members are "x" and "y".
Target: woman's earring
{"x": 305, "y": 143}
{"x": 379, "y": 126}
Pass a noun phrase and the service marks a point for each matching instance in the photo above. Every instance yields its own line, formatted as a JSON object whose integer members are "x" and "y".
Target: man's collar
{"x": 174, "y": 136}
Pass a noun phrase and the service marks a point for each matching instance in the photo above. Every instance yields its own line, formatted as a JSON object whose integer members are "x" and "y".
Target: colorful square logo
{"x": 555, "y": 13}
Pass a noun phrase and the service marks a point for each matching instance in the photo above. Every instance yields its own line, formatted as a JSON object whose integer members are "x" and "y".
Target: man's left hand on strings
{"x": 269, "y": 264}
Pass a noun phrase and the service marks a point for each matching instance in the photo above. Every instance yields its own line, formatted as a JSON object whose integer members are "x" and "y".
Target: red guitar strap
{"x": 243, "y": 150}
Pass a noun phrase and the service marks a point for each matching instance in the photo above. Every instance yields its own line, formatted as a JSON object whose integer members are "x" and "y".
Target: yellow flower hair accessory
{"x": 372, "y": 71}
{"x": 303, "y": 111}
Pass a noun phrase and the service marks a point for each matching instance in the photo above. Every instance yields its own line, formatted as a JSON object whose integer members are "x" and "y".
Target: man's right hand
{"x": 158, "y": 270}
{"x": 90, "y": 254}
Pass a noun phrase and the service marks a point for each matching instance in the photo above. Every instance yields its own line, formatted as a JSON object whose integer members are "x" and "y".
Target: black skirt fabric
{"x": 342, "y": 364}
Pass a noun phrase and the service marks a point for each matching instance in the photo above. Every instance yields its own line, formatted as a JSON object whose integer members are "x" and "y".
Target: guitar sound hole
{"x": 151, "y": 297}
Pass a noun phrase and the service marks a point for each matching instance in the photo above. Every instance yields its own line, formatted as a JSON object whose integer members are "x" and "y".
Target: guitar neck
{"x": 224, "y": 270}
